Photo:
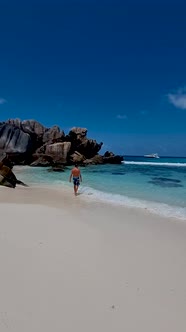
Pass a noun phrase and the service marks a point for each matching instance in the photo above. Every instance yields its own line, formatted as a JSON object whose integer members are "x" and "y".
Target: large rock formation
{"x": 80, "y": 143}
{"x": 7, "y": 177}
{"x": 77, "y": 158}
{"x": 77, "y": 133}
{"x": 29, "y": 142}
{"x": 13, "y": 139}
{"x": 96, "y": 160}
{"x": 53, "y": 135}
{"x": 59, "y": 151}
{"x": 110, "y": 158}
{"x": 41, "y": 160}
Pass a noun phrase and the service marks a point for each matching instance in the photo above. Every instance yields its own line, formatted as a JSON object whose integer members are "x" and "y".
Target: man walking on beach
{"x": 76, "y": 174}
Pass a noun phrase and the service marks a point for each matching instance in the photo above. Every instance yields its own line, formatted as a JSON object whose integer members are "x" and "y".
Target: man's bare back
{"x": 75, "y": 171}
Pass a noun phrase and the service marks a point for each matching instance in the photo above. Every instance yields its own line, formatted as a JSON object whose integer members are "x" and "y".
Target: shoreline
{"x": 90, "y": 194}
{"x": 64, "y": 197}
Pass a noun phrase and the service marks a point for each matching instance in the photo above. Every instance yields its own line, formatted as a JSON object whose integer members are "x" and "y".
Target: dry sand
{"x": 72, "y": 266}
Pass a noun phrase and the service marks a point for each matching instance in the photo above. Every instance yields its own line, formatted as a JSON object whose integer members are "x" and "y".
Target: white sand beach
{"x": 73, "y": 266}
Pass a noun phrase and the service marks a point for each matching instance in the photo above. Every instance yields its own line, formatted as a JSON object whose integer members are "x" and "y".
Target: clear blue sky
{"x": 115, "y": 67}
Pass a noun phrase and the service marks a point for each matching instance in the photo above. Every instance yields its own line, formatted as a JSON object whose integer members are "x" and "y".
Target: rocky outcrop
{"x": 77, "y": 158}
{"x": 108, "y": 154}
{"x": 41, "y": 160}
{"x": 14, "y": 140}
{"x": 7, "y": 177}
{"x": 77, "y": 133}
{"x": 110, "y": 158}
{"x": 113, "y": 160}
{"x": 59, "y": 151}
{"x": 89, "y": 148}
{"x": 29, "y": 142}
{"x": 34, "y": 129}
{"x": 28, "y": 126}
{"x": 53, "y": 135}
{"x": 96, "y": 160}
{"x": 80, "y": 143}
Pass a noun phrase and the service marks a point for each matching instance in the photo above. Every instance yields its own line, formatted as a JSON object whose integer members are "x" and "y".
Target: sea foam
{"x": 160, "y": 209}
{"x": 153, "y": 163}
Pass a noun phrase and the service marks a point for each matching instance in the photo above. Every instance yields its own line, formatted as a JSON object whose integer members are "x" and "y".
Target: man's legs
{"x": 75, "y": 189}
{"x": 76, "y": 186}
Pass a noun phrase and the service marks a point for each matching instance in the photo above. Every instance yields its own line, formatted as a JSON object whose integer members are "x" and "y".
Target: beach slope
{"x": 68, "y": 265}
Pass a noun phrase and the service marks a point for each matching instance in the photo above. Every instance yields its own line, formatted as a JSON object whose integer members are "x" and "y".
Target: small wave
{"x": 154, "y": 164}
{"x": 161, "y": 209}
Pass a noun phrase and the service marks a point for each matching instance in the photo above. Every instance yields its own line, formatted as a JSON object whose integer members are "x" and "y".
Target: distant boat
{"x": 153, "y": 155}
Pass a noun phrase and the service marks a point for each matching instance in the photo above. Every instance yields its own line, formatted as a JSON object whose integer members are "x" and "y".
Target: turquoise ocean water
{"x": 156, "y": 184}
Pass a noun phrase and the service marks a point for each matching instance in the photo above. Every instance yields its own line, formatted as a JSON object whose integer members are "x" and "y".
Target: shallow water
{"x": 159, "y": 185}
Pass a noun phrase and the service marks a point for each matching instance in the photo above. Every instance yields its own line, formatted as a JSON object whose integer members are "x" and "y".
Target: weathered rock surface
{"x": 7, "y": 177}
{"x": 80, "y": 143}
{"x": 108, "y": 154}
{"x": 113, "y": 160}
{"x": 89, "y": 148}
{"x": 41, "y": 160}
{"x": 13, "y": 139}
{"x": 77, "y": 158}
{"x": 53, "y": 135}
{"x": 29, "y": 142}
{"x": 96, "y": 160}
{"x": 31, "y": 127}
{"x": 78, "y": 133}
{"x": 59, "y": 151}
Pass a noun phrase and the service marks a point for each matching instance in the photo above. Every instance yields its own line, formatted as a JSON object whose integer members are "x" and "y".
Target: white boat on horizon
{"x": 153, "y": 155}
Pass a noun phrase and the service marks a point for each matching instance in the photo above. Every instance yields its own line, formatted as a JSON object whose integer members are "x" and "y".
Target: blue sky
{"x": 115, "y": 67}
